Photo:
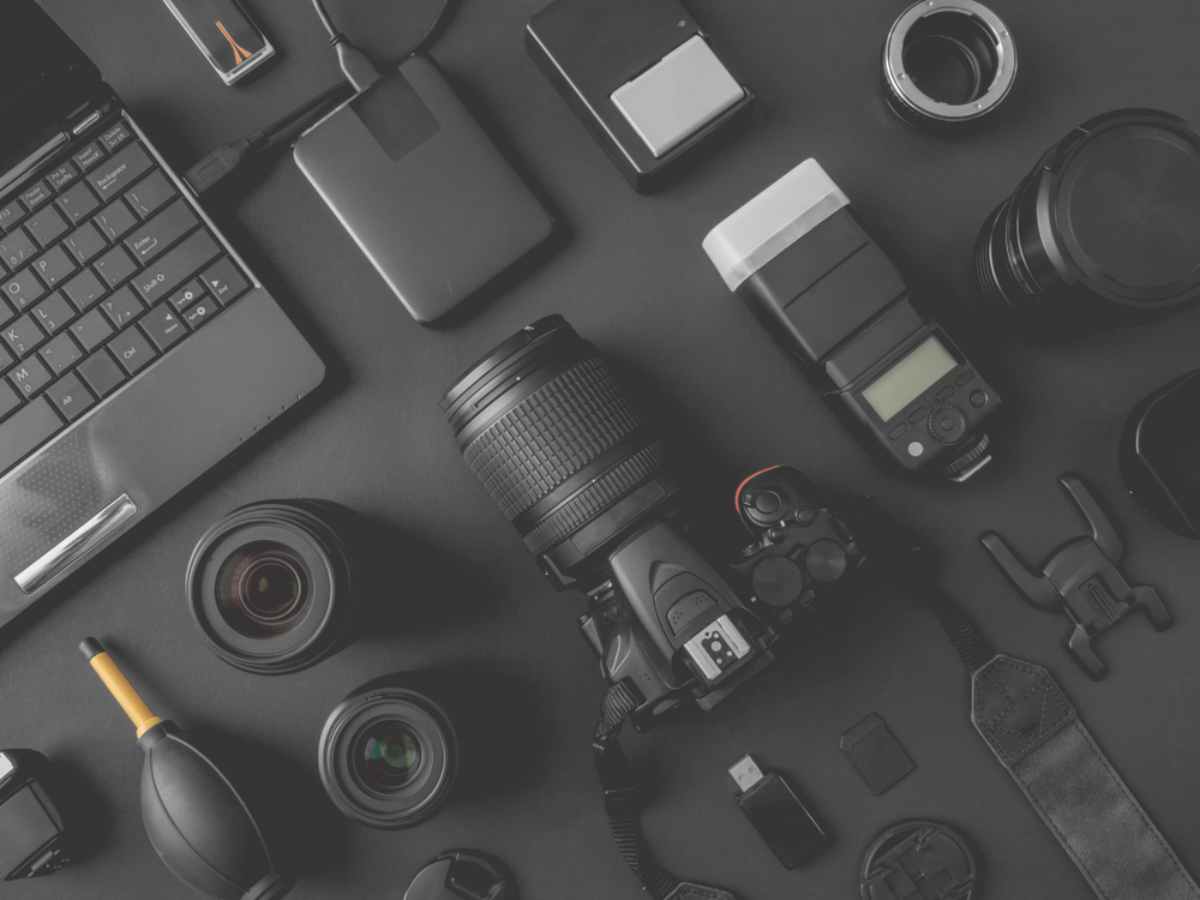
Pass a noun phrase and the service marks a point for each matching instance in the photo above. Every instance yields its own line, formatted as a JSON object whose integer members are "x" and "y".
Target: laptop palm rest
{"x": 147, "y": 442}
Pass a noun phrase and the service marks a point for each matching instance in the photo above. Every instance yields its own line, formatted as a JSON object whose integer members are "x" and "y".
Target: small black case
{"x": 642, "y": 75}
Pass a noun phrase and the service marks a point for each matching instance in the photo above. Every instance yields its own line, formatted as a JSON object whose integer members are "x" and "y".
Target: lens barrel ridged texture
{"x": 552, "y": 435}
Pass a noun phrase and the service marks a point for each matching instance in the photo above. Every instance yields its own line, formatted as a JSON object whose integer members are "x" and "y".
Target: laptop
{"x": 137, "y": 349}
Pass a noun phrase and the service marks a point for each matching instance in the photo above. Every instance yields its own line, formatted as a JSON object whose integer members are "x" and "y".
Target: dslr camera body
{"x": 585, "y": 480}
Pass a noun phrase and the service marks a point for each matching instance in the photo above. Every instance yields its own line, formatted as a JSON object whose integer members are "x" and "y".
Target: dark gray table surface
{"x": 632, "y": 278}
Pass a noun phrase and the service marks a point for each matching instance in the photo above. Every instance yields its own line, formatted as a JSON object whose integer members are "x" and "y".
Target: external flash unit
{"x": 797, "y": 252}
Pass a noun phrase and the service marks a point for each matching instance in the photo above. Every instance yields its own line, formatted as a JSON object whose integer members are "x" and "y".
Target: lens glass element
{"x": 262, "y": 589}
{"x": 389, "y": 755}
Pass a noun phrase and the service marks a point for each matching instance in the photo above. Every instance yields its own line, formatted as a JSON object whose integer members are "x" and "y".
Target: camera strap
{"x": 623, "y": 801}
{"x": 1035, "y": 732}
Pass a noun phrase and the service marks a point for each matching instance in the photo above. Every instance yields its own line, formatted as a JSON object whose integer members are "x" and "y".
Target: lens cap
{"x": 919, "y": 858}
{"x": 463, "y": 875}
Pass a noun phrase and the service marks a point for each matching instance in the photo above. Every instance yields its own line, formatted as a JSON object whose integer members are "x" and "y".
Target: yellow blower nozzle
{"x": 118, "y": 685}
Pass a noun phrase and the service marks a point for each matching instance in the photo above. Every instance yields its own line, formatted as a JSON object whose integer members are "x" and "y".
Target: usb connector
{"x": 746, "y": 773}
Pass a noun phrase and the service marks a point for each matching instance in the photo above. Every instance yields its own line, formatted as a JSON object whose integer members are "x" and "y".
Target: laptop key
{"x": 164, "y": 327}
{"x": 164, "y": 274}
{"x": 46, "y": 226}
{"x": 16, "y": 248}
{"x": 115, "y": 136}
{"x": 60, "y": 353}
{"x": 84, "y": 289}
{"x": 88, "y": 156}
{"x": 115, "y": 219}
{"x": 70, "y": 397}
{"x": 186, "y": 295}
{"x": 161, "y": 232}
{"x": 53, "y": 313}
{"x": 85, "y": 243}
{"x": 122, "y": 307}
{"x": 23, "y": 289}
{"x": 132, "y": 350}
{"x": 35, "y": 196}
{"x": 115, "y": 266}
{"x": 101, "y": 373}
{"x": 29, "y": 376}
{"x": 10, "y": 215}
{"x": 120, "y": 170}
{"x": 92, "y": 330}
{"x": 62, "y": 177}
{"x": 22, "y": 336}
{"x": 225, "y": 282}
{"x": 9, "y": 400}
{"x": 199, "y": 313}
{"x": 26, "y": 430}
{"x": 54, "y": 266}
{"x": 150, "y": 194}
{"x": 78, "y": 202}
{"x": 6, "y": 359}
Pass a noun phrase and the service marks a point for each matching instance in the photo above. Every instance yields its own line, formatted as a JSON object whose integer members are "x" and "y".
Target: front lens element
{"x": 262, "y": 589}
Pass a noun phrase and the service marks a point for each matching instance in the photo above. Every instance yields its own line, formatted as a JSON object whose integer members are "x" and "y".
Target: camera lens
{"x": 558, "y": 445}
{"x": 389, "y": 754}
{"x": 1106, "y": 224}
{"x": 272, "y": 585}
{"x": 948, "y": 62}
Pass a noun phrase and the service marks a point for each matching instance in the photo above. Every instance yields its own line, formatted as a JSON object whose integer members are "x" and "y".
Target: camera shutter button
{"x": 948, "y": 425}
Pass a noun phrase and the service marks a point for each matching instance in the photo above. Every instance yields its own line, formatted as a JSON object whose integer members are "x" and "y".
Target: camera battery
{"x": 642, "y": 75}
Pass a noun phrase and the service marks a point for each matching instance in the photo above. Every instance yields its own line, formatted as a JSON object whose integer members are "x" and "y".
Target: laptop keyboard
{"x": 104, "y": 267}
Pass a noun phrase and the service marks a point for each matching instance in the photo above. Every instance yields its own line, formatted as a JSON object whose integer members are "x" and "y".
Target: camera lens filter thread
{"x": 389, "y": 754}
{"x": 272, "y": 585}
{"x": 1106, "y": 225}
{"x": 947, "y": 63}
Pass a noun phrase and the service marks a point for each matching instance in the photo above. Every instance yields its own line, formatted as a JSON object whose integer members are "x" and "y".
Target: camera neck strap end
{"x": 623, "y": 804}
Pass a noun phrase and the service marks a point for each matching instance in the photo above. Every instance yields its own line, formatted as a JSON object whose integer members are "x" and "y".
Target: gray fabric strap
{"x": 1034, "y": 730}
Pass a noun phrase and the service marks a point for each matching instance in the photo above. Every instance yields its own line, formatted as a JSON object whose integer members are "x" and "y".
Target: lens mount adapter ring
{"x": 914, "y": 104}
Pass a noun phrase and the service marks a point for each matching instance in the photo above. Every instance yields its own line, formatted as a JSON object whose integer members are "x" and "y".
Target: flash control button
{"x": 948, "y": 425}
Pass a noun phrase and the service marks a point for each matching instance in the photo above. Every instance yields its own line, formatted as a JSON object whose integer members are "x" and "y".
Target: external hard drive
{"x": 422, "y": 189}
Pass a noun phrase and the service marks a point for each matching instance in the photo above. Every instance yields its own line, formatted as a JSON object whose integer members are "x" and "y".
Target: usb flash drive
{"x": 779, "y": 816}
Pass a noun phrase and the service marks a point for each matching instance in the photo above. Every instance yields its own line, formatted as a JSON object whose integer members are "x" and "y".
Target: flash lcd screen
{"x": 910, "y": 378}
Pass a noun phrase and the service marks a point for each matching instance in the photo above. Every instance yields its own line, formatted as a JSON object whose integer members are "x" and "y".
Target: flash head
{"x": 831, "y": 295}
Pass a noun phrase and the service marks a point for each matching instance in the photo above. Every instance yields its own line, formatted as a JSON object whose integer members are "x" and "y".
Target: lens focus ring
{"x": 554, "y": 433}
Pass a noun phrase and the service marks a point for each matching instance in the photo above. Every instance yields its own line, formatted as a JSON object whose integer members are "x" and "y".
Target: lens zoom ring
{"x": 551, "y": 435}
{"x": 595, "y": 499}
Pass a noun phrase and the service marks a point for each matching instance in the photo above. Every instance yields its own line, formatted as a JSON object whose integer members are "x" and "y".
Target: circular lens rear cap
{"x": 1128, "y": 209}
{"x": 463, "y": 875}
{"x": 919, "y": 859}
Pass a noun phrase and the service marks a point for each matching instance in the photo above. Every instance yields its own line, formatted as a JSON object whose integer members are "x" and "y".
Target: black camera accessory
{"x": 463, "y": 875}
{"x": 1083, "y": 580}
{"x": 389, "y": 754}
{"x": 1160, "y": 454}
{"x": 877, "y": 755}
{"x": 919, "y": 859}
{"x": 1105, "y": 225}
{"x": 797, "y": 252}
{"x": 196, "y": 820}
{"x": 422, "y": 189}
{"x": 948, "y": 62}
{"x": 273, "y": 585}
{"x": 33, "y": 835}
{"x": 642, "y": 75}
{"x": 224, "y": 34}
{"x": 778, "y": 815}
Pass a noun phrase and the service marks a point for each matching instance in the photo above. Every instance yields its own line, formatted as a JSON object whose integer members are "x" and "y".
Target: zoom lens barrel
{"x": 557, "y": 444}
{"x": 1105, "y": 225}
{"x": 272, "y": 585}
